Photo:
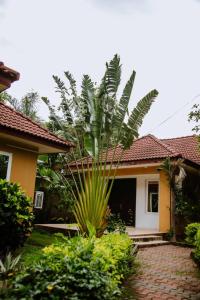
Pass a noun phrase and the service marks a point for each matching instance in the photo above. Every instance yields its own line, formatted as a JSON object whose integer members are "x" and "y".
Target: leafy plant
{"x": 27, "y": 105}
{"x": 15, "y": 216}
{"x": 96, "y": 120}
{"x": 75, "y": 269}
{"x": 115, "y": 223}
{"x": 197, "y": 247}
{"x": 8, "y": 268}
{"x": 190, "y": 232}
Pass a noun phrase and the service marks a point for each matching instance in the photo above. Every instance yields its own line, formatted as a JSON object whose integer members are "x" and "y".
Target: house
{"x": 22, "y": 140}
{"x": 141, "y": 192}
{"x": 142, "y": 187}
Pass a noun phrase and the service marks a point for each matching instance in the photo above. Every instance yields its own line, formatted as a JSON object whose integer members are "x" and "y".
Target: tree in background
{"x": 194, "y": 116}
{"x": 27, "y": 105}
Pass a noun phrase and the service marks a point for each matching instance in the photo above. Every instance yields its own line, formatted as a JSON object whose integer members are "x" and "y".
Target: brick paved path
{"x": 166, "y": 272}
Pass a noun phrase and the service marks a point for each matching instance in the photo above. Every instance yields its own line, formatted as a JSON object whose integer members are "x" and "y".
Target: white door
{"x": 147, "y": 202}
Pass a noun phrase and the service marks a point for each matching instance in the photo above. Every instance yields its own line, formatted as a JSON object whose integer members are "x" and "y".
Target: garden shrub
{"x": 197, "y": 247}
{"x": 77, "y": 269}
{"x": 191, "y": 231}
{"x": 115, "y": 223}
{"x": 15, "y": 216}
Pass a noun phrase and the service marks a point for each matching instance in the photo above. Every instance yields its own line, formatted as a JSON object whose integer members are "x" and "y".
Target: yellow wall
{"x": 164, "y": 207}
{"x": 164, "y": 199}
{"x": 23, "y": 169}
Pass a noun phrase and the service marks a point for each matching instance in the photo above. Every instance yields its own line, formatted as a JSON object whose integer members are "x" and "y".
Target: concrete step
{"x": 151, "y": 243}
{"x": 146, "y": 238}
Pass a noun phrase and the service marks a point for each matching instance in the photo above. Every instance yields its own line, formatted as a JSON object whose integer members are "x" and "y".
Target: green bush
{"x": 197, "y": 247}
{"x": 115, "y": 223}
{"x": 191, "y": 231}
{"x": 15, "y": 216}
{"x": 77, "y": 269}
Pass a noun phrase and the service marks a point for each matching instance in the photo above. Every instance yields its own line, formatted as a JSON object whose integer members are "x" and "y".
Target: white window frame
{"x": 147, "y": 189}
{"x": 9, "y": 163}
{"x": 38, "y": 193}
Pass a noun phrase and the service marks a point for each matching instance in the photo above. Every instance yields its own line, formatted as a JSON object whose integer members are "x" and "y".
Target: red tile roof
{"x": 149, "y": 149}
{"x": 18, "y": 123}
{"x": 188, "y": 146}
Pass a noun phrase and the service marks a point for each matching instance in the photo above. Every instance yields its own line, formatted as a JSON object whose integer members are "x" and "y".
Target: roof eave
{"x": 59, "y": 147}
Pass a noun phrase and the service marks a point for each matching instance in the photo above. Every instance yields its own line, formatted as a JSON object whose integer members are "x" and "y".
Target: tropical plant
{"x": 59, "y": 202}
{"x": 27, "y": 105}
{"x": 96, "y": 120}
{"x": 8, "y": 268}
{"x": 76, "y": 268}
{"x": 115, "y": 223}
{"x": 15, "y": 216}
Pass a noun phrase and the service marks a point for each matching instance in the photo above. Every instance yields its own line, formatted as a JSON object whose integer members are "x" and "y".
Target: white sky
{"x": 160, "y": 39}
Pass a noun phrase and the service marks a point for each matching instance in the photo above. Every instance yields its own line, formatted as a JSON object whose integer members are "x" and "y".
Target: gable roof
{"x": 16, "y": 123}
{"x": 188, "y": 146}
{"x": 149, "y": 149}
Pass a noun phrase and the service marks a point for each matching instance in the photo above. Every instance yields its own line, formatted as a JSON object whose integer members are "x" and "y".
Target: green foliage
{"x": 197, "y": 245}
{"x": 9, "y": 266}
{"x": 115, "y": 223}
{"x": 95, "y": 120}
{"x": 32, "y": 250}
{"x": 194, "y": 116}
{"x": 53, "y": 182}
{"x": 75, "y": 269}
{"x": 15, "y": 216}
{"x": 169, "y": 235}
{"x": 191, "y": 231}
{"x": 92, "y": 204}
{"x": 96, "y": 113}
{"x": 27, "y": 105}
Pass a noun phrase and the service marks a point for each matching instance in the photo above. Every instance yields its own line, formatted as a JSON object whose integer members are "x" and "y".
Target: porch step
{"x": 146, "y": 238}
{"x": 151, "y": 243}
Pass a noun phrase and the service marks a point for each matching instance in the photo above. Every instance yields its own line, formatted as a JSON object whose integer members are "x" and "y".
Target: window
{"x": 5, "y": 165}
{"x": 39, "y": 197}
{"x": 152, "y": 196}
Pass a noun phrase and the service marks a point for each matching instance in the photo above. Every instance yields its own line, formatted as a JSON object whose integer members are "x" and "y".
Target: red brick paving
{"x": 166, "y": 272}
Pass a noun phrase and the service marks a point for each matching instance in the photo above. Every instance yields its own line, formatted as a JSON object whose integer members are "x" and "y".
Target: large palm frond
{"x": 137, "y": 116}
{"x": 112, "y": 77}
{"x": 122, "y": 107}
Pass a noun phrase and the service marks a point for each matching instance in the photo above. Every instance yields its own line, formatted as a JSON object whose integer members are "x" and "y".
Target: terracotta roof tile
{"x": 187, "y": 146}
{"x": 150, "y": 149}
{"x": 13, "y": 120}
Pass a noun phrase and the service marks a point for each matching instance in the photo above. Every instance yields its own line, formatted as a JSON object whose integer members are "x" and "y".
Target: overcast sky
{"x": 160, "y": 39}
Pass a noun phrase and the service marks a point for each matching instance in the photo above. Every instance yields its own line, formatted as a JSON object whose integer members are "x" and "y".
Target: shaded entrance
{"x": 123, "y": 199}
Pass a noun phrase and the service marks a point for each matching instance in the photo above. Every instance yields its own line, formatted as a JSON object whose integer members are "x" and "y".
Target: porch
{"x": 141, "y": 237}
{"x": 72, "y": 228}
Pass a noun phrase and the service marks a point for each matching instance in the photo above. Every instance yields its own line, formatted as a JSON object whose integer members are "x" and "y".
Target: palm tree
{"x": 96, "y": 120}
{"x": 27, "y": 105}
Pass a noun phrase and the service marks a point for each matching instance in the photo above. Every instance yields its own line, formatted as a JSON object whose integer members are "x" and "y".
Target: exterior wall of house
{"x": 23, "y": 168}
{"x": 144, "y": 219}
{"x": 164, "y": 207}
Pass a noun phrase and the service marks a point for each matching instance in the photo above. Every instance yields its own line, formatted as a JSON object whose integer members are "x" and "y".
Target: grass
{"x": 31, "y": 252}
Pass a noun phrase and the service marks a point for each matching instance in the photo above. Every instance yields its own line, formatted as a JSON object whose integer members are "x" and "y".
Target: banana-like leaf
{"x": 130, "y": 130}
{"x": 112, "y": 76}
{"x": 142, "y": 108}
{"x": 122, "y": 107}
